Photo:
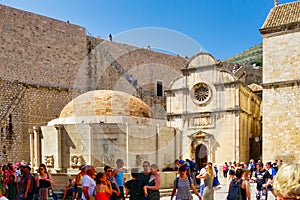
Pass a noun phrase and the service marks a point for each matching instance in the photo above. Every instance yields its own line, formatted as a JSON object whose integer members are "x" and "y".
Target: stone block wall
{"x": 50, "y": 58}
{"x": 39, "y": 50}
{"x": 12, "y": 113}
{"x": 281, "y": 57}
{"x": 281, "y": 111}
{"x": 22, "y": 107}
{"x": 281, "y": 124}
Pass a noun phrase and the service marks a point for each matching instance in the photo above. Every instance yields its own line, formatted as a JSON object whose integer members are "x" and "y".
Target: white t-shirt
{"x": 87, "y": 181}
{"x": 3, "y": 198}
{"x": 202, "y": 171}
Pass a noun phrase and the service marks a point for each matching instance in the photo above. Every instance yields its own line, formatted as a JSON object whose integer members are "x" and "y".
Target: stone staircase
{"x": 13, "y": 105}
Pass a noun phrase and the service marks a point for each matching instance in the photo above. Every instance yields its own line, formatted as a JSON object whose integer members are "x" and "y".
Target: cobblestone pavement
{"x": 221, "y": 193}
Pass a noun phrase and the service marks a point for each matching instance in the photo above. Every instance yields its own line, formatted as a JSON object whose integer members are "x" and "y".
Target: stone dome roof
{"x": 106, "y": 103}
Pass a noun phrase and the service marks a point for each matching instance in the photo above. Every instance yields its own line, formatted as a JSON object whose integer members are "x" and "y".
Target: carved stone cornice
{"x": 281, "y": 84}
{"x": 282, "y": 29}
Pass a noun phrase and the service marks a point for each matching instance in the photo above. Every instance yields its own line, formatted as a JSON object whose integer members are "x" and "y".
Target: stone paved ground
{"x": 222, "y": 192}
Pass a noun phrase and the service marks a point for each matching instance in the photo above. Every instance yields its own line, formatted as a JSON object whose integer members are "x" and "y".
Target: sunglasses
{"x": 41, "y": 169}
{"x": 109, "y": 170}
{"x": 145, "y": 165}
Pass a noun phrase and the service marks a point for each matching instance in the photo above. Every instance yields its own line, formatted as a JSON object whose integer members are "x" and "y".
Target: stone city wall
{"x": 49, "y": 58}
{"x": 39, "y": 50}
{"x": 24, "y": 107}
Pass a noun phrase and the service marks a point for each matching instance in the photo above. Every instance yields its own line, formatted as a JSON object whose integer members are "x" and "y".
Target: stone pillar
{"x": 37, "y": 147}
{"x": 157, "y": 144}
{"x": 90, "y": 144}
{"x": 209, "y": 150}
{"x": 31, "y": 140}
{"x": 127, "y": 145}
{"x": 57, "y": 161}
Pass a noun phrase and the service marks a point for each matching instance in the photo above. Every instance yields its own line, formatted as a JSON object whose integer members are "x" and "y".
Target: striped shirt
{"x": 183, "y": 190}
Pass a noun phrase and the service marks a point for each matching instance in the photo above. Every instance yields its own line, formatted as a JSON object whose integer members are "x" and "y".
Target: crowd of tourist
{"x": 283, "y": 181}
{"x": 16, "y": 182}
{"x": 110, "y": 185}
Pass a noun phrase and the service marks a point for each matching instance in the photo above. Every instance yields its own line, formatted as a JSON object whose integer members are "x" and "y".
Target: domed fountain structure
{"x": 98, "y": 127}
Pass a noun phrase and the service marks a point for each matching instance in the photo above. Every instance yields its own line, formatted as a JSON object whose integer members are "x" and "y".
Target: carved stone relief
{"x": 107, "y": 149}
{"x": 49, "y": 161}
{"x": 109, "y": 159}
{"x": 139, "y": 159}
{"x": 202, "y": 122}
{"x": 76, "y": 161}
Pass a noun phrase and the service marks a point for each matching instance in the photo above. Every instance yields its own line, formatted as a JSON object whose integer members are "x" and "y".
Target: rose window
{"x": 201, "y": 93}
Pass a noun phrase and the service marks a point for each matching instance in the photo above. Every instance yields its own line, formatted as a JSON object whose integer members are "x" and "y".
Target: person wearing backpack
{"x": 183, "y": 183}
{"x": 239, "y": 188}
{"x": 193, "y": 169}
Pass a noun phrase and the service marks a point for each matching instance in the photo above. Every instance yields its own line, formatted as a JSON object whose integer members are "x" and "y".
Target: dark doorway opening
{"x": 201, "y": 156}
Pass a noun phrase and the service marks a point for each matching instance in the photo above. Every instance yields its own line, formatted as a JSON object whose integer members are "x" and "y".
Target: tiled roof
{"x": 283, "y": 14}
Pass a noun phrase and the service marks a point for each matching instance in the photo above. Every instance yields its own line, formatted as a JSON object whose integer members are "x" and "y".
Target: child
{"x": 12, "y": 187}
{"x": 71, "y": 188}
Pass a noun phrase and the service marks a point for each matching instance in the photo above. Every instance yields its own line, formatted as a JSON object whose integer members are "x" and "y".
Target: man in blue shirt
{"x": 120, "y": 177}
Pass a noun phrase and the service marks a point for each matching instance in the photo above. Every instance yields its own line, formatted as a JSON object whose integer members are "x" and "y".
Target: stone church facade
{"x": 218, "y": 115}
{"x": 281, "y": 83}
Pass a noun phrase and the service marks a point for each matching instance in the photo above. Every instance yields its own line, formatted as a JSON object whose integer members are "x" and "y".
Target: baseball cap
{"x": 181, "y": 162}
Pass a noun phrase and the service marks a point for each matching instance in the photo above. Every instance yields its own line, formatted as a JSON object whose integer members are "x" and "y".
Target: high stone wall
{"x": 22, "y": 108}
{"x": 43, "y": 63}
{"x": 39, "y": 50}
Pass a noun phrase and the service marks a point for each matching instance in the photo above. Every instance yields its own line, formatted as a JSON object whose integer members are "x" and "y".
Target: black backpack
{"x": 177, "y": 179}
{"x": 235, "y": 190}
{"x": 192, "y": 166}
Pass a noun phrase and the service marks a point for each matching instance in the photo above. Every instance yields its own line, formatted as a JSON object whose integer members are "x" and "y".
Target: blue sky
{"x": 222, "y": 28}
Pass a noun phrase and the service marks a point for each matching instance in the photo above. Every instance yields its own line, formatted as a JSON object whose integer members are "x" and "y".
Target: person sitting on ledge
{"x": 70, "y": 188}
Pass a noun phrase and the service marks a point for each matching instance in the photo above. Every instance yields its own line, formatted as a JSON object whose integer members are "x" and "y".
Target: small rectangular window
{"x": 159, "y": 88}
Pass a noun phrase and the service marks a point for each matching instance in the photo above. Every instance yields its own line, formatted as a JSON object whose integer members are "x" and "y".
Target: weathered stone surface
{"x": 281, "y": 79}
{"x": 44, "y": 61}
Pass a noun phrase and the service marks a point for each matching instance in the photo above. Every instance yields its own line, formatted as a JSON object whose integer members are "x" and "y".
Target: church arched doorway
{"x": 201, "y": 156}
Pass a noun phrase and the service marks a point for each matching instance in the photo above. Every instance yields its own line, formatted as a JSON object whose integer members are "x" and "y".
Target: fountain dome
{"x": 106, "y": 103}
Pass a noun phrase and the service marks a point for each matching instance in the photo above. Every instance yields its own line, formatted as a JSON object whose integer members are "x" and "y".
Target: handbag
{"x": 50, "y": 192}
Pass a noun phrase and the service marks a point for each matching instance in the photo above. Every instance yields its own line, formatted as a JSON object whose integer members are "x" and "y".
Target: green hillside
{"x": 248, "y": 57}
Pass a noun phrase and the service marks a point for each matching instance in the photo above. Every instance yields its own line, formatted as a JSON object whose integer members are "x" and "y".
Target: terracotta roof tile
{"x": 283, "y": 14}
